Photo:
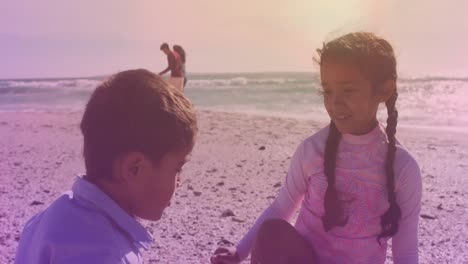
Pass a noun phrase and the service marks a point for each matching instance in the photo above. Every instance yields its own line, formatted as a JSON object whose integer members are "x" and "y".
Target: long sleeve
{"x": 285, "y": 204}
{"x": 68, "y": 255}
{"x": 408, "y": 195}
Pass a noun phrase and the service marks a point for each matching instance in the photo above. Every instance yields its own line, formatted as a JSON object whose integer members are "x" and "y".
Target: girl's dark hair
{"x": 376, "y": 59}
{"x": 180, "y": 51}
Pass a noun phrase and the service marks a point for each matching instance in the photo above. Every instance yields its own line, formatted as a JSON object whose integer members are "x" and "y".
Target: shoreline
{"x": 459, "y": 131}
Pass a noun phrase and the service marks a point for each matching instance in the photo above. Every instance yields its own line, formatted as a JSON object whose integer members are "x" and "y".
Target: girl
{"x": 181, "y": 52}
{"x": 357, "y": 186}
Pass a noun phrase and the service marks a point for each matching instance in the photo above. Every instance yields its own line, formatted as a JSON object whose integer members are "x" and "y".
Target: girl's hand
{"x": 225, "y": 255}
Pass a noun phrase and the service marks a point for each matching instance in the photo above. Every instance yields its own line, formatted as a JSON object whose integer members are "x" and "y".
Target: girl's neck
{"x": 363, "y": 138}
{"x": 366, "y": 130}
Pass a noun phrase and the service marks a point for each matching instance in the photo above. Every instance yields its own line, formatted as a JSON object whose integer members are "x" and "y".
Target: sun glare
{"x": 322, "y": 17}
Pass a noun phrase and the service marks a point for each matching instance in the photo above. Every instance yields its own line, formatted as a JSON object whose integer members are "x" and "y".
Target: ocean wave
{"x": 237, "y": 81}
{"x": 433, "y": 79}
{"x": 244, "y": 82}
{"x": 46, "y": 86}
{"x": 424, "y": 101}
{"x": 49, "y": 83}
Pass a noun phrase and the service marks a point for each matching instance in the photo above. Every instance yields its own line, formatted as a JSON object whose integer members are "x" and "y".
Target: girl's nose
{"x": 336, "y": 99}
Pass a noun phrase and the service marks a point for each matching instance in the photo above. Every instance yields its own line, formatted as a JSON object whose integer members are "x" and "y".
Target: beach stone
{"x": 212, "y": 170}
{"x": 227, "y": 213}
{"x": 224, "y": 241}
{"x": 220, "y": 184}
{"x": 177, "y": 236}
{"x": 36, "y": 203}
{"x": 428, "y": 217}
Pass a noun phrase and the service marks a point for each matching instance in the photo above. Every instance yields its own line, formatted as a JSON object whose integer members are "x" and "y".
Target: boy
{"x": 138, "y": 132}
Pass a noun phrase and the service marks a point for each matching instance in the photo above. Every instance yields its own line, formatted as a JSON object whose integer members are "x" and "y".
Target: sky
{"x": 56, "y": 38}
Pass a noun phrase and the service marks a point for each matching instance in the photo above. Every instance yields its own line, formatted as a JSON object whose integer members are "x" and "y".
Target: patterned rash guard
{"x": 360, "y": 182}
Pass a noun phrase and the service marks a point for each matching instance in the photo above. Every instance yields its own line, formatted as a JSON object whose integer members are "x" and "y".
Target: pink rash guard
{"x": 360, "y": 182}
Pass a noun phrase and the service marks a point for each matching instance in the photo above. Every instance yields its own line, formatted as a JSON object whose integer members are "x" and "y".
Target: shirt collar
{"x": 91, "y": 193}
{"x": 374, "y": 135}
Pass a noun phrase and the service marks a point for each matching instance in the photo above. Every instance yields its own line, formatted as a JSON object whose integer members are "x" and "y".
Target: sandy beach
{"x": 237, "y": 166}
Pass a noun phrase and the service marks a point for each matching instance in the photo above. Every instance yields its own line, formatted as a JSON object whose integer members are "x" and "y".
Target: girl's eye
{"x": 349, "y": 89}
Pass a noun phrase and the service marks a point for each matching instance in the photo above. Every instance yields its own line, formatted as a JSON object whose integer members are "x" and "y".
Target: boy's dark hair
{"x": 180, "y": 51}
{"x": 134, "y": 110}
{"x": 376, "y": 59}
{"x": 164, "y": 46}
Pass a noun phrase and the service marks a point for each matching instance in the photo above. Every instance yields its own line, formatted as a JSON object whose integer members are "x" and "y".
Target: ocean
{"x": 435, "y": 102}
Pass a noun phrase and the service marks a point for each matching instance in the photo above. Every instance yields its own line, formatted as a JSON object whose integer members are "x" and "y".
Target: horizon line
{"x": 420, "y": 77}
{"x": 106, "y": 75}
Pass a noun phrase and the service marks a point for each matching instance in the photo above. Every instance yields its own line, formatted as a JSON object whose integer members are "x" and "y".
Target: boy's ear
{"x": 387, "y": 89}
{"x": 129, "y": 166}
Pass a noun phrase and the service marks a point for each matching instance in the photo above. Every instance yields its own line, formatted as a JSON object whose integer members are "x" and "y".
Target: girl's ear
{"x": 387, "y": 89}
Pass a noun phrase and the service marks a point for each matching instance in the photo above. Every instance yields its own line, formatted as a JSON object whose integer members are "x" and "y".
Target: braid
{"x": 333, "y": 208}
{"x": 389, "y": 220}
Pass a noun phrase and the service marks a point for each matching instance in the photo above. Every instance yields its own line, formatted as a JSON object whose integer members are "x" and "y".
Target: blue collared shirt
{"x": 82, "y": 226}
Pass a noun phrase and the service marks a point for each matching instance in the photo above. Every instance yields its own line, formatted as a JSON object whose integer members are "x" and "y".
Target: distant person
{"x": 174, "y": 65}
{"x": 138, "y": 132}
{"x": 181, "y": 52}
{"x": 356, "y": 186}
